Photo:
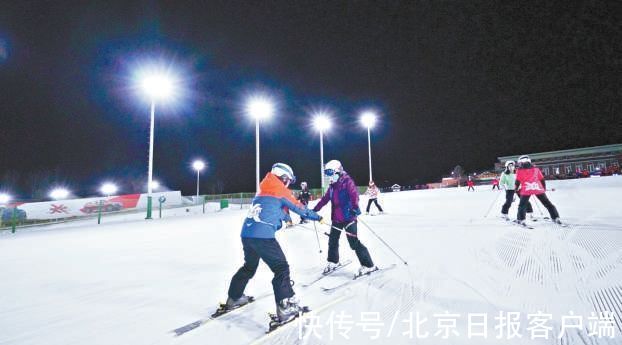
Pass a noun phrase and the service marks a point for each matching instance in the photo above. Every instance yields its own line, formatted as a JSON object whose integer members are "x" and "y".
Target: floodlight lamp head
{"x": 198, "y": 165}
{"x": 368, "y": 119}
{"x": 260, "y": 107}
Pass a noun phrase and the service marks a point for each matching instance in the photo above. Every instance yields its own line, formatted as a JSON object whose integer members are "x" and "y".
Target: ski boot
{"x": 363, "y": 270}
{"x": 331, "y": 266}
{"x": 505, "y": 217}
{"x": 288, "y": 309}
{"x": 557, "y": 221}
{"x": 233, "y": 304}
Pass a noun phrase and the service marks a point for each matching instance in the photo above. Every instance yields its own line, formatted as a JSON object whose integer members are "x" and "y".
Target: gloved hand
{"x": 356, "y": 211}
{"x": 324, "y": 221}
{"x": 289, "y": 224}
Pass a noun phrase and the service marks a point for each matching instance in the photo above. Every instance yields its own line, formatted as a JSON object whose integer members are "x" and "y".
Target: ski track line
{"x": 550, "y": 257}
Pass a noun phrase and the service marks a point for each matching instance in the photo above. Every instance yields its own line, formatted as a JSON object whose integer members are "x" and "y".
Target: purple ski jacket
{"x": 344, "y": 197}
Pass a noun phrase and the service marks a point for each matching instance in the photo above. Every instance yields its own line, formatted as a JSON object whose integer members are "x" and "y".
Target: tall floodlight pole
{"x": 259, "y": 108}
{"x": 322, "y": 160}
{"x": 158, "y": 87}
{"x": 321, "y": 122}
{"x": 257, "y": 155}
{"x": 198, "y": 166}
{"x": 368, "y": 119}
{"x": 150, "y": 169}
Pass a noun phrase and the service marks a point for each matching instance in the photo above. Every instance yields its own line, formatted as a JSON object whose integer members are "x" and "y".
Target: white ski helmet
{"x": 303, "y": 184}
{"x": 507, "y": 163}
{"x": 333, "y": 169}
{"x": 283, "y": 170}
{"x": 333, "y": 166}
{"x": 524, "y": 159}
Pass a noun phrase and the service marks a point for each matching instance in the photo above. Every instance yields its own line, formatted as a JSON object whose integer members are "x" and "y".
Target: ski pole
{"x": 317, "y": 237}
{"x": 347, "y": 233}
{"x": 343, "y": 230}
{"x": 383, "y": 242}
{"x": 491, "y": 205}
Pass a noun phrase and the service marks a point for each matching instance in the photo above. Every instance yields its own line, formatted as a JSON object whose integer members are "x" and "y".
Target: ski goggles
{"x": 330, "y": 172}
{"x": 287, "y": 180}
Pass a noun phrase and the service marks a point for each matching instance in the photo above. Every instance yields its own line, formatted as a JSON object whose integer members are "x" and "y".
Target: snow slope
{"x": 131, "y": 281}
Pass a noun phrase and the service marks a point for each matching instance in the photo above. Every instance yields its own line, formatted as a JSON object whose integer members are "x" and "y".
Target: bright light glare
{"x": 4, "y": 198}
{"x": 321, "y": 122}
{"x": 259, "y": 107}
{"x": 157, "y": 86}
{"x": 198, "y": 165}
{"x": 108, "y": 188}
{"x": 368, "y": 119}
{"x": 59, "y": 193}
{"x": 155, "y": 184}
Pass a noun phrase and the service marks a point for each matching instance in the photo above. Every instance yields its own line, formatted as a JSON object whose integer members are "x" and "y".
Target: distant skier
{"x": 304, "y": 196}
{"x": 530, "y": 181}
{"x": 495, "y": 183}
{"x": 372, "y": 192}
{"x": 507, "y": 181}
{"x": 470, "y": 184}
{"x": 344, "y": 198}
{"x": 263, "y": 220}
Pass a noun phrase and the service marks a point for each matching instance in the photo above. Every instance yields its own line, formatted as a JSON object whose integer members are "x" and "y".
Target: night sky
{"x": 455, "y": 82}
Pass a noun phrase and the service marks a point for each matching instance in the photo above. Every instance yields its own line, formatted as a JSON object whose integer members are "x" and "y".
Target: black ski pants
{"x": 268, "y": 250}
{"x": 333, "y": 244}
{"x": 524, "y": 201}
{"x": 509, "y": 198}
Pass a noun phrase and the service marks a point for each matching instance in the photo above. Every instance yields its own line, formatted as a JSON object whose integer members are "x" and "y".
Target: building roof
{"x": 570, "y": 152}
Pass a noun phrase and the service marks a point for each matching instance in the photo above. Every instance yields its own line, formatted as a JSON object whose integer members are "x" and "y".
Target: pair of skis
{"x": 527, "y": 226}
{"x": 357, "y": 277}
{"x": 326, "y": 274}
{"x": 274, "y": 322}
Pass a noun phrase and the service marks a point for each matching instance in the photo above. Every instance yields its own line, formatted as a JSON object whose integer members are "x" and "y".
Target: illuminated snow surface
{"x": 131, "y": 281}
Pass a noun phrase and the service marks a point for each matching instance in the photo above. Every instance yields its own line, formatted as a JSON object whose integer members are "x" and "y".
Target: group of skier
{"x": 525, "y": 181}
{"x": 272, "y": 203}
{"x": 270, "y": 207}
